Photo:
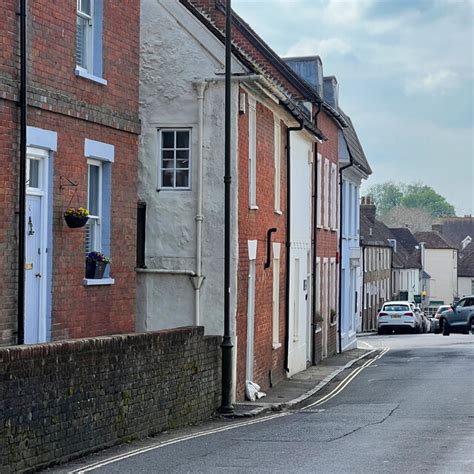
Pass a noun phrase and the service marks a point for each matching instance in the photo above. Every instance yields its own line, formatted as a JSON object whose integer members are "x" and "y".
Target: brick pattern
{"x": 327, "y": 240}
{"x": 253, "y": 225}
{"x": 64, "y": 400}
{"x": 76, "y": 109}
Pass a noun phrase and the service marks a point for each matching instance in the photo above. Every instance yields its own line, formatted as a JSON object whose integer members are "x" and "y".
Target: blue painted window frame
{"x": 96, "y": 74}
{"x": 105, "y": 153}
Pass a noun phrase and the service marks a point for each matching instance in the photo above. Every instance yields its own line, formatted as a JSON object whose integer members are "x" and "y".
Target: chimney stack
{"x": 367, "y": 208}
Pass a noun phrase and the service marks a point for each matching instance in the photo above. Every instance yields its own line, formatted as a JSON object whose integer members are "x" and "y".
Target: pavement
{"x": 301, "y": 386}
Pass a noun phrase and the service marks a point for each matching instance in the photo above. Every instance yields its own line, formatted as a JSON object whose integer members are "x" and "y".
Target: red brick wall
{"x": 327, "y": 240}
{"x": 76, "y": 109}
{"x": 253, "y": 225}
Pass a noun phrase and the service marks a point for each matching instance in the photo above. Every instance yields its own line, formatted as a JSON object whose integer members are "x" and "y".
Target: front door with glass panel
{"x": 36, "y": 216}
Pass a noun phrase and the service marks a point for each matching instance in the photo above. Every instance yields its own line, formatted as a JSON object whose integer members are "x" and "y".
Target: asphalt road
{"x": 411, "y": 411}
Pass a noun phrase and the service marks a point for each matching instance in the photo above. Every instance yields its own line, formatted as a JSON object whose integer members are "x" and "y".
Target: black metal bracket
{"x": 67, "y": 181}
{"x": 269, "y": 246}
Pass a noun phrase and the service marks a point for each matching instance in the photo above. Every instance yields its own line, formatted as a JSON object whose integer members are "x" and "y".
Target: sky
{"x": 405, "y": 70}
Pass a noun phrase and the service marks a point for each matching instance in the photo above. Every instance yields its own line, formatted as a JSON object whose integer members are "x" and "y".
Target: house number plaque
{"x": 28, "y": 266}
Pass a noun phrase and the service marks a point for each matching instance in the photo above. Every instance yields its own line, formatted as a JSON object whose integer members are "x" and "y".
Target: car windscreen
{"x": 396, "y": 307}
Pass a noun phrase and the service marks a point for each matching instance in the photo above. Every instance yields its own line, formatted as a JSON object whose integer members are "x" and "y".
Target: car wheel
{"x": 470, "y": 327}
{"x": 446, "y": 331}
{"x": 419, "y": 329}
{"x": 380, "y": 331}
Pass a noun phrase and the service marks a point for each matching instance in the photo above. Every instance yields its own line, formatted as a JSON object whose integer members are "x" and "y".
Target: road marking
{"x": 342, "y": 385}
{"x": 163, "y": 444}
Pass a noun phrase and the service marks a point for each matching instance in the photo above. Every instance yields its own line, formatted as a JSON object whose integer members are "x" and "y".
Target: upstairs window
{"x": 175, "y": 159}
{"x": 89, "y": 16}
{"x": 84, "y": 35}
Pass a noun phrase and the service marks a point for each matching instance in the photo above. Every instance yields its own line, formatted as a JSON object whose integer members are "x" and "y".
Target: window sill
{"x": 81, "y": 72}
{"x": 253, "y": 208}
{"x": 276, "y": 345}
{"x": 98, "y": 281}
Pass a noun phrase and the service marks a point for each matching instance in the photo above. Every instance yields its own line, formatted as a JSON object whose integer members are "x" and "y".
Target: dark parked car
{"x": 459, "y": 318}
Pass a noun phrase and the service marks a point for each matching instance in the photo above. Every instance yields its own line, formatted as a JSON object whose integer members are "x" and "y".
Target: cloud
{"x": 323, "y": 48}
{"x": 438, "y": 82}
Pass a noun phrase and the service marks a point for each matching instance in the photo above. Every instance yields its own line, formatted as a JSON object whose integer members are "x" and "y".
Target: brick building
{"x": 82, "y": 147}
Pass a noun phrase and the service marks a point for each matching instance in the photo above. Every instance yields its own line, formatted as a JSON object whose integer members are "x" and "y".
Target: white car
{"x": 398, "y": 315}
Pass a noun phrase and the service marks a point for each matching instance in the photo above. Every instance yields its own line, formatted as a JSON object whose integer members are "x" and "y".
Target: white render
{"x": 465, "y": 286}
{"x": 351, "y": 273}
{"x": 169, "y": 98}
{"x": 301, "y": 155}
{"x": 441, "y": 265}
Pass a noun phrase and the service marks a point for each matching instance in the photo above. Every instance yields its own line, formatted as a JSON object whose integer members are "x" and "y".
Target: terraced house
{"x": 74, "y": 75}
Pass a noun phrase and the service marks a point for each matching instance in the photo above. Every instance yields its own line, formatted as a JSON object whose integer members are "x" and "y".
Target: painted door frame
{"x": 43, "y": 192}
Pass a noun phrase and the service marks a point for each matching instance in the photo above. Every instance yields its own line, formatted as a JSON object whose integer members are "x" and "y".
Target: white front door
{"x": 36, "y": 217}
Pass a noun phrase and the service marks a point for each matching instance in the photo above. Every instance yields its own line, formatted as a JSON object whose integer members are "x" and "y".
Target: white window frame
{"x": 318, "y": 327}
{"x": 277, "y": 160}
{"x": 252, "y": 153}
{"x": 326, "y": 193}
{"x": 332, "y": 289}
{"x": 334, "y": 196}
{"x": 319, "y": 190}
{"x": 97, "y": 219}
{"x": 276, "y": 297}
{"x": 175, "y": 149}
{"x": 325, "y": 304}
{"x": 90, "y": 36}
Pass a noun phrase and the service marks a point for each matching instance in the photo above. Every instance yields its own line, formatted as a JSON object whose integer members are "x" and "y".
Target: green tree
{"x": 423, "y": 197}
{"x": 386, "y": 196}
{"x": 392, "y": 195}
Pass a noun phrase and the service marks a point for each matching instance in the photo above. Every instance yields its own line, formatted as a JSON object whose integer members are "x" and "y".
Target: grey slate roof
{"x": 405, "y": 238}
{"x": 377, "y": 234}
{"x": 355, "y": 148}
{"x": 434, "y": 240}
{"x": 466, "y": 261}
{"x": 456, "y": 229}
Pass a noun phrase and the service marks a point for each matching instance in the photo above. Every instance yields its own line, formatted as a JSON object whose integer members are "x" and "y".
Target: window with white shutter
{"x": 319, "y": 189}
{"x": 326, "y": 193}
{"x": 89, "y": 19}
{"x": 277, "y": 159}
{"x": 252, "y": 153}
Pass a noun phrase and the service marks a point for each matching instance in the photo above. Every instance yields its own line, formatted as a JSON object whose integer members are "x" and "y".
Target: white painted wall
{"x": 409, "y": 280}
{"x": 176, "y": 51}
{"x": 300, "y": 223}
{"x": 465, "y": 286}
{"x": 441, "y": 265}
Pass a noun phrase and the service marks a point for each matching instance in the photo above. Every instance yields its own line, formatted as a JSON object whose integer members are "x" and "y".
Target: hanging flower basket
{"x": 96, "y": 263}
{"x": 76, "y": 217}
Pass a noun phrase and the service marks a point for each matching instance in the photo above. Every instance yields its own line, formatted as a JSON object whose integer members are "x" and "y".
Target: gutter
{"x": 22, "y": 177}
{"x": 315, "y": 230}
{"x": 341, "y": 220}
{"x": 288, "y": 240}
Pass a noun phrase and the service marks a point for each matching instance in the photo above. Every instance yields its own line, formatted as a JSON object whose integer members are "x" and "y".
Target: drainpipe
{"x": 288, "y": 239}
{"x": 341, "y": 220}
{"x": 314, "y": 229}
{"x": 22, "y": 187}
{"x": 198, "y": 278}
{"x": 227, "y": 346}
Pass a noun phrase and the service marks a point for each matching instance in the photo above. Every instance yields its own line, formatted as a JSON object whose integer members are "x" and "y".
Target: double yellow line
{"x": 346, "y": 381}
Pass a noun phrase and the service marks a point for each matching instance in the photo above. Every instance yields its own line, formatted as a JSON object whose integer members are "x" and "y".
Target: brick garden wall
{"x": 63, "y": 400}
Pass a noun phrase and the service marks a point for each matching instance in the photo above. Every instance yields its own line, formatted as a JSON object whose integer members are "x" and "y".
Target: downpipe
{"x": 315, "y": 230}
{"x": 199, "y": 218}
{"x": 22, "y": 177}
